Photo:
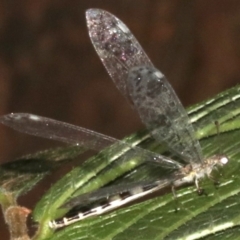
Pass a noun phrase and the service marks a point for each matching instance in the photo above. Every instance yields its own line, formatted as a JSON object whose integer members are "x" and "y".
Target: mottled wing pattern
{"x": 158, "y": 106}
{"x": 162, "y": 112}
{"x": 116, "y": 46}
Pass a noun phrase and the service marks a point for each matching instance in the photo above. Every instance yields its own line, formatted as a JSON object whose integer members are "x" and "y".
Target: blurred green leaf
{"x": 20, "y": 176}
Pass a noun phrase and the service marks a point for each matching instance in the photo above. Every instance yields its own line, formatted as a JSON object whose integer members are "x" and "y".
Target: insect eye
{"x": 224, "y": 160}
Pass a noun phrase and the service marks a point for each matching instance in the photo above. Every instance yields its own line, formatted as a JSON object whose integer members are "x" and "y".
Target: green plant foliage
{"x": 21, "y": 175}
{"x": 212, "y": 216}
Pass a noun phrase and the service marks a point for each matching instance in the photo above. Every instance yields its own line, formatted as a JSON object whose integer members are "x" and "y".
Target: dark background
{"x": 48, "y": 65}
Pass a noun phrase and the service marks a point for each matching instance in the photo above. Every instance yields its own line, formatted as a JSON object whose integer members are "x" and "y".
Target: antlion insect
{"x": 158, "y": 106}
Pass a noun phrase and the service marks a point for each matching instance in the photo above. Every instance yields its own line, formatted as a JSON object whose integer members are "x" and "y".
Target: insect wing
{"x": 65, "y": 132}
{"x": 162, "y": 112}
{"x": 117, "y": 48}
{"x": 109, "y": 191}
{"x": 121, "y": 54}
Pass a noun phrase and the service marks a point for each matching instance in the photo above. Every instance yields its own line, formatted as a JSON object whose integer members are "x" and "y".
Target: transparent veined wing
{"x": 68, "y": 133}
{"x": 162, "y": 112}
{"x": 109, "y": 191}
{"x": 123, "y": 56}
{"x": 116, "y": 46}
